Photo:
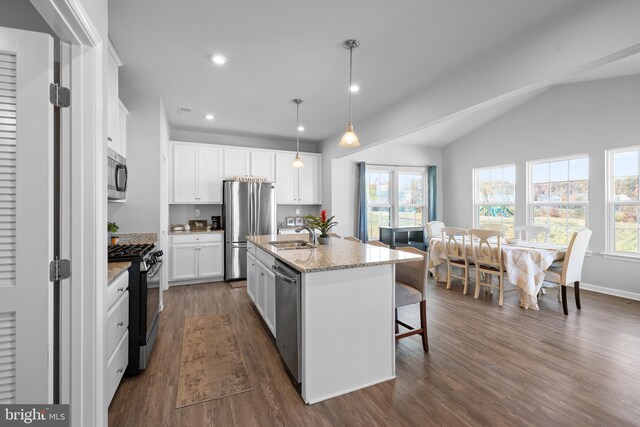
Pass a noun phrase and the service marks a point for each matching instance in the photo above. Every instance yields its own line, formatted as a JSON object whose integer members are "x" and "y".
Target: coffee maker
{"x": 216, "y": 223}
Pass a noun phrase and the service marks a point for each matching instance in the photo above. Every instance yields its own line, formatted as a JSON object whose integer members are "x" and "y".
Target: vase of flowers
{"x": 323, "y": 224}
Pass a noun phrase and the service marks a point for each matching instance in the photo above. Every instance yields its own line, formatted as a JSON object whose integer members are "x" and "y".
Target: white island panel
{"x": 348, "y": 336}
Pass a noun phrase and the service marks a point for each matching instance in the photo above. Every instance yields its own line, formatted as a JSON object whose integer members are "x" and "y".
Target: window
{"x": 394, "y": 196}
{"x": 495, "y": 197}
{"x": 623, "y": 200}
{"x": 559, "y": 196}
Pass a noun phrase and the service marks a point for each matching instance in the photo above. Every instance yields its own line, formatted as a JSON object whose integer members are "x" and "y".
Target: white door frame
{"x": 84, "y": 212}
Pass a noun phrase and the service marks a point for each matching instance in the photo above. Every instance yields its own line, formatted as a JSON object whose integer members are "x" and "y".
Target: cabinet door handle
{"x": 120, "y": 324}
{"x": 262, "y": 274}
{"x": 120, "y": 289}
{"x": 109, "y": 139}
{"x": 120, "y": 370}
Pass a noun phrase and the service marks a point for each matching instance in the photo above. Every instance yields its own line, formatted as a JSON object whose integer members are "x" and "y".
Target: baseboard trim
{"x": 196, "y": 281}
{"x": 609, "y": 291}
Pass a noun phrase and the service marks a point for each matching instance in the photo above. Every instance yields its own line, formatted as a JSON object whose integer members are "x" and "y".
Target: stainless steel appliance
{"x": 288, "y": 317}
{"x": 117, "y": 176}
{"x": 249, "y": 209}
{"x": 216, "y": 222}
{"x": 144, "y": 300}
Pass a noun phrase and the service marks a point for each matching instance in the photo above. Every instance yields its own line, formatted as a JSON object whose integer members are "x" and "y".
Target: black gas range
{"x": 144, "y": 300}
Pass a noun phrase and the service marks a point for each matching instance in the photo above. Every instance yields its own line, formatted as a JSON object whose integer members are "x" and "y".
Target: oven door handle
{"x": 153, "y": 271}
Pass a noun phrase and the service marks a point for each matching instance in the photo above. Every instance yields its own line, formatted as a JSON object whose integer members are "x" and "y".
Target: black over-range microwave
{"x": 117, "y": 178}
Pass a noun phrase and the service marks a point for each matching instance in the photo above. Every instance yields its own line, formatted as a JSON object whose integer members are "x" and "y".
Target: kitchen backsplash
{"x": 290, "y": 210}
{"x": 181, "y": 214}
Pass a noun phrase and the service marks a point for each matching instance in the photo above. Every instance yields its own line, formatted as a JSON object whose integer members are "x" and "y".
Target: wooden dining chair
{"x": 377, "y": 243}
{"x": 353, "y": 239}
{"x": 487, "y": 257}
{"x": 434, "y": 229}
{"x": 455, "y": 245}
{"x": 411, "y": 287}
{"x": 571, "y": 269}
{"x": 532, "y": 233}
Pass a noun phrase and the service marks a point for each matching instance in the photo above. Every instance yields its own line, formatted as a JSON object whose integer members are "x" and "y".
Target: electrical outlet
{"x": 297, "y": 211}
{"x": 197, "y": 212}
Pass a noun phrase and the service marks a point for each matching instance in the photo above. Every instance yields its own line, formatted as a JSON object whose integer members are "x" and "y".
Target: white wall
{"x": 343, "y": 191}
{"x": 242, "y": 140}
{"x": 141, "y": 212}
{"x": 569, "y": 119}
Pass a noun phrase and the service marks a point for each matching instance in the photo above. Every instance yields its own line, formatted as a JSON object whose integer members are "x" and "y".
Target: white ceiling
{"x": 628, "y": 66}
{"x": 279, "y": 50}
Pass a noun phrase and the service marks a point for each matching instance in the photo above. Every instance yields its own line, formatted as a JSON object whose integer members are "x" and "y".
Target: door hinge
{"x": 59, "y": 96}
{"x": 59, "y": 269}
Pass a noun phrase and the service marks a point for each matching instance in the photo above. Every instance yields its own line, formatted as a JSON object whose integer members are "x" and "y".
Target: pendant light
{"x": 297, "y": 162}
{"x": 350, "y": 139}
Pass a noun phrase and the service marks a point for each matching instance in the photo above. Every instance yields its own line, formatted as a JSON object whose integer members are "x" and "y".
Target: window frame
{"x": 476, "y": 202}
{"x": 529, "y": 196}
{"x": 395, "y": 205}
{"x": 610, "y": 203}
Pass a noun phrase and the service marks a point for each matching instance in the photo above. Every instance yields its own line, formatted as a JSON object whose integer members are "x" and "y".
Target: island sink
{"x": 292, "y": 244}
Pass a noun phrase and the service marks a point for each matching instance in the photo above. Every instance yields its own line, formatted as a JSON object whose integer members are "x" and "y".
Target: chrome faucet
{"x": 312, "y": 234}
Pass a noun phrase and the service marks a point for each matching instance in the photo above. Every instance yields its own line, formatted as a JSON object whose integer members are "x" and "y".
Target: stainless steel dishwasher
{"x": 288, "y": 316}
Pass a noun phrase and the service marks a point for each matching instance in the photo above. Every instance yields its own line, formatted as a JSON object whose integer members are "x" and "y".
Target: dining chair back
{"x": 411, "y": 288}
{"x": 487, "y": 257}
{"x": 434, "y": 229}
{"x": 571, "y": 270}
{"x": 532, "y": 233}
{"x": 454, "y": 241}
{"x": 377, "y": 243}
{"x": 353, "y": 239}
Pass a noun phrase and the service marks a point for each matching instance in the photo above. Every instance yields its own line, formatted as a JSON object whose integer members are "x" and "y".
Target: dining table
{"x": 525, "y": 264}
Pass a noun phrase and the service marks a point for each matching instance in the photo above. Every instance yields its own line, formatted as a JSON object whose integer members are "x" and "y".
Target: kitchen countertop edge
{"x": 182, "y": 233}
{"x": 115, "y": 270}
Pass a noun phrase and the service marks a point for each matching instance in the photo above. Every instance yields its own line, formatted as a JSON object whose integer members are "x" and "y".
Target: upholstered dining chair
{"x": 455, "y": 244}
{"x": 353, "y": 239}
{"x": 377, "y": 243}
{"x": 434, "y": 229}
{"x": 487, "y": 257}
{"x": 532, "y": 233}
{"x": 571, "y": 269}
{"x": 411, "y": 286}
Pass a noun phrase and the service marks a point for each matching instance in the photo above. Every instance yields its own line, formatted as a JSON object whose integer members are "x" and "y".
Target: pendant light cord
{"x": 350, "y": 80}
{"x": 298, "y": 127}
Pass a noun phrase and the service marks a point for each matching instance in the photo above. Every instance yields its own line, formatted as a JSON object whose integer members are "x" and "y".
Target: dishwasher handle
{"x": 287, "y": 279}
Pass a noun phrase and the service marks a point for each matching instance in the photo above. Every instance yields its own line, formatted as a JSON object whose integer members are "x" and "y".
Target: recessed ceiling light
{"x": 209, "y": 117}
{"x": 219, "y": 59}
{"x": 354, "y": 88}
{"x": 301, "y": 128}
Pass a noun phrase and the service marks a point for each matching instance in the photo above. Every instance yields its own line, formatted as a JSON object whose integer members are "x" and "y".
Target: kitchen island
{"x": 346, "y": 296}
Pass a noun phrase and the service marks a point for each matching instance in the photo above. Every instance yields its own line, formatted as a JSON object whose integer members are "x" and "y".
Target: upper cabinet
{"x": 116, "y": 111}
{"x": 196, "y": 174}
{"x": 298, "y": 186}
{"x": 198, "y": 170}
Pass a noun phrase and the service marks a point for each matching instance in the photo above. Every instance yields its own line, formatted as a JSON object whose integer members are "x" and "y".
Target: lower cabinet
{"x": 261, "y": 287}
{"x": 196, "y": 256}
{"x": 117, "y": 332}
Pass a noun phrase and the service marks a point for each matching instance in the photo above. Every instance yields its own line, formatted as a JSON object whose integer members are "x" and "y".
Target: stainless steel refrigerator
{"x": 249, "y": 209}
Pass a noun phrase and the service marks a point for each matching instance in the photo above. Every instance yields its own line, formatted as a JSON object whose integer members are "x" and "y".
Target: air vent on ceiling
{"x": 184, "y": 110}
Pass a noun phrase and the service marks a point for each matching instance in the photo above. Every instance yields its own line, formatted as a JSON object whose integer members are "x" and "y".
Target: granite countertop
{"x": 338, "y": 254}
{"x": 115, "y": 269}
{"x": 198, "y": 232}
{"x": 137, "y": 238}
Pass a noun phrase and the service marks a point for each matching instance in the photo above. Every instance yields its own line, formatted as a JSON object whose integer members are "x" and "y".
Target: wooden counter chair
{"x": 353, "y": 239}
{"x": 487, "y": 257}
{"x": 571, "y": 269}
{"x": 532, "y": 233}
{"x": 411, "y": 286}
{"x": 455, "y": 241}
{"x": 377, "y": 243}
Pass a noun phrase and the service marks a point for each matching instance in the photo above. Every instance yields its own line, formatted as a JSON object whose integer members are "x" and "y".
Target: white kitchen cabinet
{"x": 196, "y": 174}
{"x": 261, "y": 286}
{"x": 121, "y": 129}
{"x": 210, "y": 256}
{"x": 251, "y": 277}
{"x": 237, "y": 162}
{"x": 298, "y": 186}
{"x": 196, "y": 256}
{"x": 116, "y": 128}
{"x": 184, "y": 261}
{"x": 209, "y": 175}
{"x": 263, "y": 164}
{"x": 185, "y": 174}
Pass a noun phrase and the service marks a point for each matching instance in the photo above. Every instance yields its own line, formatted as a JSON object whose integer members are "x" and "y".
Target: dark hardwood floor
{"x": 486, "y": 366}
